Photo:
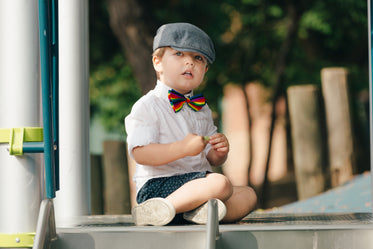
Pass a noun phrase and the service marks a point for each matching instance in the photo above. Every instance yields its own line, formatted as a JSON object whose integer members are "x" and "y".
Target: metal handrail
{"x": 212, "y": 233}
{"x": 55, "y": 92}
{"x": 45, "y": 34}
{"x": 48, "y": 34}
{"x": 46, "y": 226}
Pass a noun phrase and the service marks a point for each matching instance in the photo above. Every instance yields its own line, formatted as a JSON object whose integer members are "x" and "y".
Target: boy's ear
{"x": 157, "y": 64}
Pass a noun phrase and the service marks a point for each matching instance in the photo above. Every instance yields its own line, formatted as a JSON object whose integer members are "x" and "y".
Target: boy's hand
{"x": 193, "y": 144}
{"x": 220, "y": 144}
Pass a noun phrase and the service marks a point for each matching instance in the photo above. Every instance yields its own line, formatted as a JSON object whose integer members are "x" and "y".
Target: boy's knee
{"x": 252, "y": 197}
{"x": 248, "y": 195}
{"x": 222, "y": 186}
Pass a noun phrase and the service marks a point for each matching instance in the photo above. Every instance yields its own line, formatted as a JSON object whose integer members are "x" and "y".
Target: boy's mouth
{"x": 188, "y": 73}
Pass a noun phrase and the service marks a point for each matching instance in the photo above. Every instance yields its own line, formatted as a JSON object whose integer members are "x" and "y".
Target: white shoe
{"x": 155, "y": 212}
{"x": 200, "y": 214}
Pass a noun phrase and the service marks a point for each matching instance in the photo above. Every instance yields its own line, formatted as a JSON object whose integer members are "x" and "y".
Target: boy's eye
{"x": 198, "y": 57}
{"x": 179, "y": 53}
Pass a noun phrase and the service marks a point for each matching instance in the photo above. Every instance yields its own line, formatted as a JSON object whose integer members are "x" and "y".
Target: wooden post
{"x": 339, "y": 125}
{"x": 307, "y": 139}
{"x": 97, "y": 202}
{"x": 116, "y": 184}
{"x": 236, "y": 128}
{"x": 131, "y": 172}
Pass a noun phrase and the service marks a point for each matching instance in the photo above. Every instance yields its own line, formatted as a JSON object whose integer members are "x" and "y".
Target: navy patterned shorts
{"x": 164, "y": 186}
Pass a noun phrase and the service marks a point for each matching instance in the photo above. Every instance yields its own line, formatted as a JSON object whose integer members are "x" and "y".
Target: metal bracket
{"x": 18, "y": 240}
{"x": 46, "y": 226}
{"x": 17, "y": 136}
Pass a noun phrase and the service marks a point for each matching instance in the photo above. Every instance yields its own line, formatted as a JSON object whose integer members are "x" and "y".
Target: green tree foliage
{"x": 248, "y": 35}
{"x": 113, "y": 88}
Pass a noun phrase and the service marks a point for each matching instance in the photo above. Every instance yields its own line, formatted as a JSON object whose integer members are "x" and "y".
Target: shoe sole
{"x": 154, "y": 212}
{"x": 200, "y": 214}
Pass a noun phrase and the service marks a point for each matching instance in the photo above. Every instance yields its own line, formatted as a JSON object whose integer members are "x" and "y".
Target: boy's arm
{"x": 220, "y": 148}
{"x": 160, "y": 154}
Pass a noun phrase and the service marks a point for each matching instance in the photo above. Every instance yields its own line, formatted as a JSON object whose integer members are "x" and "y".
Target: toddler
{"x": 172, "y": 138}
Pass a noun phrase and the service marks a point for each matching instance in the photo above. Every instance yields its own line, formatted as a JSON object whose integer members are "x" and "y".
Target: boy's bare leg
{"x": 196, "y": 192}
{"x": 241, "y": 203}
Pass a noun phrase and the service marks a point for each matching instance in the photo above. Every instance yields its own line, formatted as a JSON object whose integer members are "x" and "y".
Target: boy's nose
{"x": 189, "y": 60}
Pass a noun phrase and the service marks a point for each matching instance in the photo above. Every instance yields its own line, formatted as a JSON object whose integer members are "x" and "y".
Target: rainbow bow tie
{"x": 177, "y": 101}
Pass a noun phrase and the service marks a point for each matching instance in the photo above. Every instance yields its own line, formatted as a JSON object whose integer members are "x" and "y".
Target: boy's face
{"x": 182, "y": 71}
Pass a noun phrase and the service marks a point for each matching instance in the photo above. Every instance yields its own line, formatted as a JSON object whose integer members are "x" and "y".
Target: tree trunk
{"x": 127, "y": 20}
{"x": 250, "y": 151}
{"x": 283, "y": 56}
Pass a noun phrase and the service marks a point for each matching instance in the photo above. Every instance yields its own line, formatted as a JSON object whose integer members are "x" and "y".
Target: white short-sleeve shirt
{"x": 152, "y": 120}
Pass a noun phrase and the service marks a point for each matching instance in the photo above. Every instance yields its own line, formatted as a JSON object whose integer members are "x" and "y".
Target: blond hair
{"x": 159, "y": 52}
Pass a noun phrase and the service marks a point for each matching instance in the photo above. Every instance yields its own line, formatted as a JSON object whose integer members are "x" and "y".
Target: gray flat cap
{"x": 185, "y": 37}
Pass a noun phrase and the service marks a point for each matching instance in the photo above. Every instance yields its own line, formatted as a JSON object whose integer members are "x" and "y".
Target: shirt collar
{"x": 161, "y": 90}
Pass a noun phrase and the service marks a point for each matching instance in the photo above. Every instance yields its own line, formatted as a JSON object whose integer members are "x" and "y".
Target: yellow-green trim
{"x": 19, "y": 240}
{"x": 16, "y": 136}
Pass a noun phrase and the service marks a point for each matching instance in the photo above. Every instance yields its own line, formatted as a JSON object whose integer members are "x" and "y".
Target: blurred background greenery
{"x": 277, "y": 43}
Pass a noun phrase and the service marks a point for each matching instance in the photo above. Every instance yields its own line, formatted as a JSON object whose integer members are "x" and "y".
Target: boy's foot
{"x": 200, "y": 214}
{"x": 155, "y": 212}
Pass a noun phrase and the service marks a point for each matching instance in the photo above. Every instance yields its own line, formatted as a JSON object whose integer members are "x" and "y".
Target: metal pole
{"x": 46, "y": 228}
{"x": 212, "y": 226}
{"x": 20, "y": 176}
{"x": 73, "y": 198}
{"x": 46, "y": 82}
{"x": 370, "y": 33}
{"x": 55, "y": 81}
